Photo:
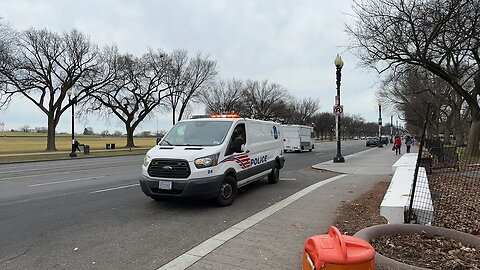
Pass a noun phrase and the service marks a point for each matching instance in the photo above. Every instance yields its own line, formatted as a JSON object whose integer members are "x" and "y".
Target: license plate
{"x": 165, "y": 185}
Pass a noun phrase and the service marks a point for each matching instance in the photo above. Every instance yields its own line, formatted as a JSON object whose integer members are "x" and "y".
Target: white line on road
{"x": 288, "y": 179}
{"x": 318, "y": 154}
{"x": 67, "y": 181}
{"x": 59, "y": 163}
{"x": 57, "y": 173}
{"x": 115, "y": 188}
{"x": 195, "y": 254}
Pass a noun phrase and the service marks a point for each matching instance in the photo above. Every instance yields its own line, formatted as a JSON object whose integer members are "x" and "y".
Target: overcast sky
{"x": 292, "y": 43}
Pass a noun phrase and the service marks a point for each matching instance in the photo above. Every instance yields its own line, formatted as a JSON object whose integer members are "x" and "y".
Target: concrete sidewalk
{"x": 274, "y": 238}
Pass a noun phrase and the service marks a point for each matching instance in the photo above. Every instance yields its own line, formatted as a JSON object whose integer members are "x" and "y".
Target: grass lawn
{"x": 11, "y": 142}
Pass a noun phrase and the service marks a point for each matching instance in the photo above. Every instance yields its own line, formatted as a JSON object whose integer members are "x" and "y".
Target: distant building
{"x": 2, "y": 126}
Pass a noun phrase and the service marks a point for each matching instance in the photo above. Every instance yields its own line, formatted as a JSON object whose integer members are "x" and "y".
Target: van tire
{"x": 228, "y": 192}
{"x": 274, "y": 176}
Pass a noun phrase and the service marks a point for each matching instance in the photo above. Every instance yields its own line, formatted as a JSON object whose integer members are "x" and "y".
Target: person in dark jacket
{"x": 76, "y": 145}
{"x": 408, "y": 143}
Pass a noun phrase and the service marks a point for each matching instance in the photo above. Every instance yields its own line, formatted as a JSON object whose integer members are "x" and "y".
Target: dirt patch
{"x": 437, "y": 252}
{"x": 419, "y": 250}
{"x": 362, "y": 212}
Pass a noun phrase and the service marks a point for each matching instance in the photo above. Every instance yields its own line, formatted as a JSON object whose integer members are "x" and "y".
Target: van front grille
{"x": 169, "y": 168}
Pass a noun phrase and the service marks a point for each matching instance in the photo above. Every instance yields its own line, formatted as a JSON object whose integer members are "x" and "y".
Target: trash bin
{"x": 334, "y": 251}
{"x": 112, "y": 146}
{"x": 107, "y": 146}
{"x": 86, "y": 149}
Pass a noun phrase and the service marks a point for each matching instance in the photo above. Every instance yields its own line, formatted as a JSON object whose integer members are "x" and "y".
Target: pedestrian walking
{"x": 76, "y": 145}
{"x": 397, "y": 144}
{"x": 408, "y": 143}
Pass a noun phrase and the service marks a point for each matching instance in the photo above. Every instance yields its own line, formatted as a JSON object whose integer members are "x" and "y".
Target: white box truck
{"x": 298, "y": 138}
{"x": 212, "y": 157}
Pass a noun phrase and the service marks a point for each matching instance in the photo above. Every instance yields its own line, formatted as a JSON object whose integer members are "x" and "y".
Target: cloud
{"x": 292, "y": 43}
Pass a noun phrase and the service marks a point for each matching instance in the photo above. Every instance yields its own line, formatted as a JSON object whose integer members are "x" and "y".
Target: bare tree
{"x": 440, "y": 36}
{"x": 353, "y": 124}
{"x": 25, "y": 128}
{"x": 305, "y": 109}
{"x": 139, "y": 88}
{"x": 324, "y": 124}
{"x": 408, "y": 91}
{"x": 224, "y": 97}
{"x": 42, "y": 66}
{"x": 176, "y": 79}
{"x": 7, "y": 39}
{"x": 265, "y": 101}
{"x": 88, "y": 131}
{"x": 201, "y": 72}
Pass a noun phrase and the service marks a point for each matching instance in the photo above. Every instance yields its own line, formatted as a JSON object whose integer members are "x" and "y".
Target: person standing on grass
{"x": 397, "y": 142}
{"x": 408, "y": 143}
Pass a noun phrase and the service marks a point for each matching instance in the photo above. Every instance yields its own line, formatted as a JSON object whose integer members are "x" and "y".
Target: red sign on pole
{"x": 338, "y": 109}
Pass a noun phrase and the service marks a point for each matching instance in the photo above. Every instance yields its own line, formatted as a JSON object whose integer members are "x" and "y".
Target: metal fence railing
{"x": 446, "y": 189}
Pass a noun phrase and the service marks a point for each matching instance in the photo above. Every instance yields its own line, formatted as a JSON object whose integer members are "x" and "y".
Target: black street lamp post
{"x": 380, "y": 143}
{"x": 338, "y": 64}
{"x": 391, "y": 128}
{"x": 72, "y": 99}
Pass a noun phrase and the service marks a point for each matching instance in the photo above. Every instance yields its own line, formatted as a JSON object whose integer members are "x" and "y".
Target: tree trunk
{"x": 129, "y": 130}
{"x": 51, "y": 133}
{"x": 458, "y": 127}
{"x": 473, "y": 147}
{"x": 474, "y": 133}
{"x": 173, "y": 116}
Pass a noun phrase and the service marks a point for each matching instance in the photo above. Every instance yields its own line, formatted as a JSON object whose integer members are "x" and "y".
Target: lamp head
{"x": 338, "y": 61}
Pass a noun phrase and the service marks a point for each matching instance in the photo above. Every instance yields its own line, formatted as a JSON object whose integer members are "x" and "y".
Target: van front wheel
{"x": 274, "y": 176}
{"x": 228, "y": 192}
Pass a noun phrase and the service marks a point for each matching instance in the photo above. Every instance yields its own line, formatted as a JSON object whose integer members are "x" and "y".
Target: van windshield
{"x": 197, "y": 133}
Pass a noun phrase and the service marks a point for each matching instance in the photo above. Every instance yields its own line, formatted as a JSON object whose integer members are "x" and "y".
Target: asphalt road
{"x": 91, "y": 213}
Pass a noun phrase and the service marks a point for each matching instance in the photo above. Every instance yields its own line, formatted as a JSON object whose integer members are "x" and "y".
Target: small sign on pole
{"x": 338, "y": 109}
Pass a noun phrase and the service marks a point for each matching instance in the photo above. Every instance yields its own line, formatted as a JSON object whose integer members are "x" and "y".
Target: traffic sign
{"x": 338, "y": 109}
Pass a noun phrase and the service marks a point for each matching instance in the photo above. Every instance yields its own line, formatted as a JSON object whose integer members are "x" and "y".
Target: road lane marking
{"x": 288, "y": 179}
{"x": 198, "y": 252}
{"x": 43, "y": 174}
{"x": 318, "y": 154}
{"x": 115, "y": 188}
{"x": 77, "y": 166}
{"x": 67, "y": 181}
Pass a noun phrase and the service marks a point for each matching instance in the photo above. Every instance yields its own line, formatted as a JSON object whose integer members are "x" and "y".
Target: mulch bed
{"x": 457, "y": 206}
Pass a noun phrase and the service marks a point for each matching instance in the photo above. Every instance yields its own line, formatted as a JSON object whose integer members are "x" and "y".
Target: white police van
{"x": 212, "y": 157}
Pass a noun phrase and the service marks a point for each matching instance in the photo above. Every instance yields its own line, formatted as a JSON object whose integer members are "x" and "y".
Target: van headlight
{"x": 207, "y": 161}
{"x": 146, "y": 160}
